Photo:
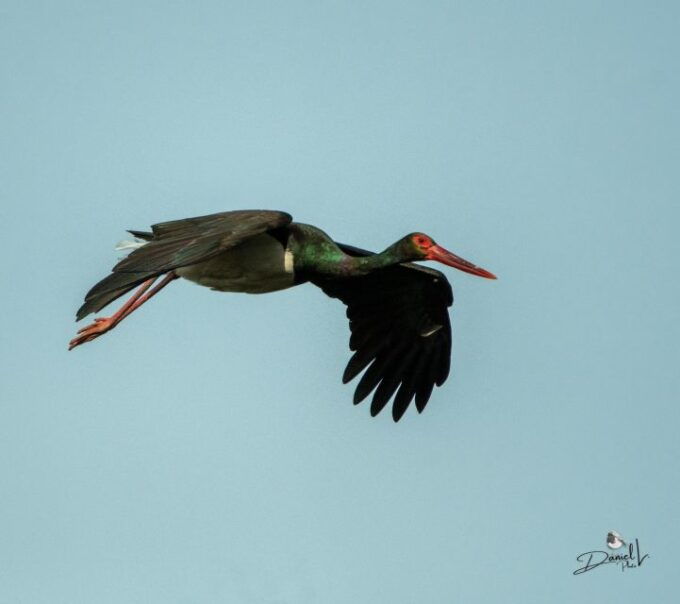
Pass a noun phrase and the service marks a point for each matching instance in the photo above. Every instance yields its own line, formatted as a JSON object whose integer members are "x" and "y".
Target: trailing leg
{"x": 103, "y": 324}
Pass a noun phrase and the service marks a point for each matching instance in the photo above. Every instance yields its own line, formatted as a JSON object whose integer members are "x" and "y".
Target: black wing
{"x": 190, "y": 240}
{"x": 400, "y": 325}
{"x": 179, "y": 243}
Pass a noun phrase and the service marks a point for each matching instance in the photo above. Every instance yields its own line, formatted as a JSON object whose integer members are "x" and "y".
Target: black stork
{"x": 397, "y": 310}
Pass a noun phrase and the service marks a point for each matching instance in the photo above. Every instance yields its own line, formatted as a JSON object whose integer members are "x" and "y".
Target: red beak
{"x": 439, "y": 254}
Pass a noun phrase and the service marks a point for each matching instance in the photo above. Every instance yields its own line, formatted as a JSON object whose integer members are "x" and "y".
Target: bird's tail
{"x": 110, "y": 288}
{"x": 140, "y": 238}
{"x": 128, "y": 245}
{"x": 116, "y": 284}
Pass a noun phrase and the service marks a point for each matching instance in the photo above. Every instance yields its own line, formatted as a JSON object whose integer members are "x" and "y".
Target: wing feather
{"x": 400, "y": 332}
{"x": 182, "y": 242}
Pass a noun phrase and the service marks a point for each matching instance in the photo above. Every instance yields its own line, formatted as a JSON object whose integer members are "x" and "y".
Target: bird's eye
{"x": 421, "y": 241}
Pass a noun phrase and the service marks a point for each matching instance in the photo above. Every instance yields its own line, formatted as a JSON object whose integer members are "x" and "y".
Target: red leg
{"x": 103, "y": 324}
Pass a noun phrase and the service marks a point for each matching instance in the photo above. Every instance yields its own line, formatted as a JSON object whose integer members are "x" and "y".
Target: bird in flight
{"x": 397, "y": 310}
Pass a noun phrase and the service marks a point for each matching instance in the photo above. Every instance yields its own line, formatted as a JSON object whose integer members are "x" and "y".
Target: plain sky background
{"x": 206, "y": 451}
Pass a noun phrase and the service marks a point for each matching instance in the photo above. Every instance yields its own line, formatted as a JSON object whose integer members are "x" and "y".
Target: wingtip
{"x": 397, "y": 414}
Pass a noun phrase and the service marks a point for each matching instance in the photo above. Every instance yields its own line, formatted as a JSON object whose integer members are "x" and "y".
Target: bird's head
{"x": 419, "y": 246}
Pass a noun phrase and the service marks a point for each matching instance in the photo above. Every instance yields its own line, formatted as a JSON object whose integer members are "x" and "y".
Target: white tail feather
{"x": 127, "y": 245}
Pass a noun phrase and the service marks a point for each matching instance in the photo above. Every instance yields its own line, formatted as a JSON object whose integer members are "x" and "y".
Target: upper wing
{"x": 400, "y": 324}
{"x": 190, "y": 240}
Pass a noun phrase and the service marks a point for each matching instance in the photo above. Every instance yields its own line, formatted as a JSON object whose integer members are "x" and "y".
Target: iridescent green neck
{"x": 315, "y": 252}
{"x": 336, "y": 263}
{"x": 365, "y": 264}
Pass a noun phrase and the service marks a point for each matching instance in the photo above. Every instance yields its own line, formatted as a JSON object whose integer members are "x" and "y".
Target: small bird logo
{"x": 614, "y": 540}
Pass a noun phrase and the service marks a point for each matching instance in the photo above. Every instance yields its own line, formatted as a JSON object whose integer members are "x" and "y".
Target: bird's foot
{"x": 85, "y": 334}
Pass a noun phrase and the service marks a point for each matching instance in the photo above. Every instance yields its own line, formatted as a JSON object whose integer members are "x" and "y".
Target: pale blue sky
{"x": 206, "y": 451}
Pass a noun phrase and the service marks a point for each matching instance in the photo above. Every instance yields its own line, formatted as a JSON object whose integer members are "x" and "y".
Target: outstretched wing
{"x": 190, "y": 240}
{"x": 179, "y": 243}
{"x": 399, "y": 321}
